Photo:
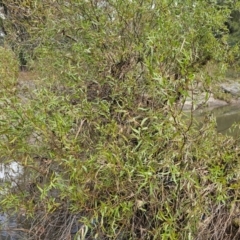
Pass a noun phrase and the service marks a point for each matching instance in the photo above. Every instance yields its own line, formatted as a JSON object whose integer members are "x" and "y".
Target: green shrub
{"x": 102, "y": 138}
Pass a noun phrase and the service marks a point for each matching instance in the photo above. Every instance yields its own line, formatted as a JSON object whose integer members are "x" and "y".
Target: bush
{"x": 103, "y": 141}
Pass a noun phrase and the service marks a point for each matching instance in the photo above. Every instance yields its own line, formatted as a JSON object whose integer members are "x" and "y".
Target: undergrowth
{"x": 106, "y": 151}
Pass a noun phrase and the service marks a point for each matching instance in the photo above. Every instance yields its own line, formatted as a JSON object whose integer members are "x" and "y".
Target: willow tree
{"x": 102, "y": 137}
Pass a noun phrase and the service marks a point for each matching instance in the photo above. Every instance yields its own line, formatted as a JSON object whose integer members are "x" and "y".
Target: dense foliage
{"x": 100, "y": 131}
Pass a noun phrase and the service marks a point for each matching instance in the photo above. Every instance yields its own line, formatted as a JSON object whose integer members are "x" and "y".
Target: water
{"x": 227, "y": 119}
{"x": 9, "y": 173}
{"x": 8, "y": 223}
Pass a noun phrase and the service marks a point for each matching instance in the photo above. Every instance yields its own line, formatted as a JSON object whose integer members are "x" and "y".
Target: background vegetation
{"x": 100, "y": 131}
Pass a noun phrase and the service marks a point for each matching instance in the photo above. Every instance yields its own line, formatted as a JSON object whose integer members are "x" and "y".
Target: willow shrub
{"x": 103, "y": 140}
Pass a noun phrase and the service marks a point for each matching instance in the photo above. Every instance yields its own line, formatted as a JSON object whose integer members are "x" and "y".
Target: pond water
{"x": 227, "y": 119}
{"x": 9, "y": 173}
{"x": 7, "y": 223}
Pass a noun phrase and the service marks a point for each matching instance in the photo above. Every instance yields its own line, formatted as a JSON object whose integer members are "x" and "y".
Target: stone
{"x": 232, "y": 88}
{"x": 203, "y": 99}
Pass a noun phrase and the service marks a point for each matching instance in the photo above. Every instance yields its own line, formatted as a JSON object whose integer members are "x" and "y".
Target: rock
{"x": 232, "y": 88}
{"x": 235, "y": 101}
{"x": 212, "y": 102}
{"x": 203, "y": 99}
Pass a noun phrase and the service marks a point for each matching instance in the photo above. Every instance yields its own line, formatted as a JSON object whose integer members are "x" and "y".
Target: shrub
{"x": 102, "y": 138}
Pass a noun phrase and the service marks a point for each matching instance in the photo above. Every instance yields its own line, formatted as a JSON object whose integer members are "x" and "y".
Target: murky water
{"x": 8, "y": 223}
{"x": 9, "y": 173}
{"x": 227, "y": 118}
